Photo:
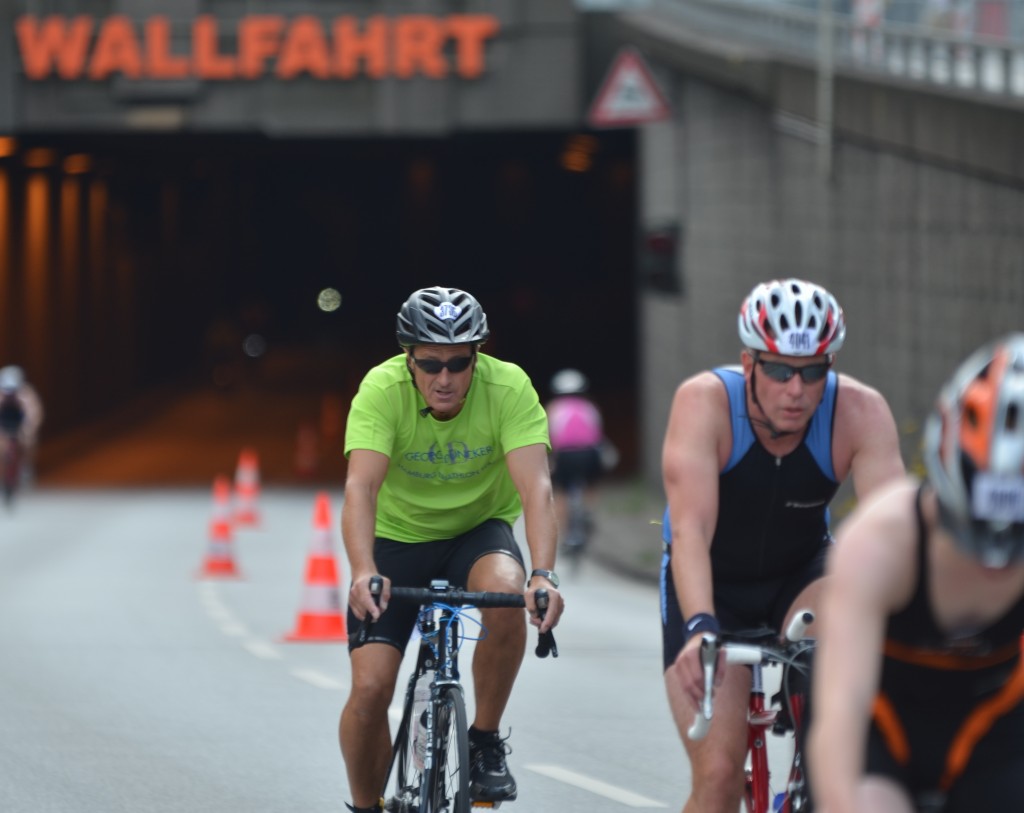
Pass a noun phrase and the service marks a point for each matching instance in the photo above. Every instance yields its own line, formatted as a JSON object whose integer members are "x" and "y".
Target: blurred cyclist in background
{"x": 578, "y": 446}
{"x": 918, "y": 699}
{"x": 21, "y": 415}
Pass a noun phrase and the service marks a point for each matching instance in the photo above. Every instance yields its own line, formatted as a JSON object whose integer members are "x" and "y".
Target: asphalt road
{"x": 128, "y": 683}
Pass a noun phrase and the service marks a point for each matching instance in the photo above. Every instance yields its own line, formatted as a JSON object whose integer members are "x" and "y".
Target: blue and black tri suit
{"x": 771, "y": 535}
{"x": 948, "y": 719}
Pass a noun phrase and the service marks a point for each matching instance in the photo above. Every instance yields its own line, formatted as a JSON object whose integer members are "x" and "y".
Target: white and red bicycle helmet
{"x": 974, "y": 453}
{"x": 793, "y": 318}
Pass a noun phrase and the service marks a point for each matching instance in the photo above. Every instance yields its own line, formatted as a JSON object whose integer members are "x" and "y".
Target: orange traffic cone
{"x": 320, "y": 616}
{"x": 220, "y": 561}
{"x": 247, "y": 488}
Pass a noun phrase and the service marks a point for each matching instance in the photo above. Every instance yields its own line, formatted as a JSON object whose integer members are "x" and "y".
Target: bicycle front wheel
{"x": 405, "y": 778}
{"x": 446, "y": 783}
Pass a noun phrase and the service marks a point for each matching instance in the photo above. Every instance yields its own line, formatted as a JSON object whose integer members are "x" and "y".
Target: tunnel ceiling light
{"x": 8, "y": 146}
{"x": 40, "y": 158}
{"x": 77, "y": 164}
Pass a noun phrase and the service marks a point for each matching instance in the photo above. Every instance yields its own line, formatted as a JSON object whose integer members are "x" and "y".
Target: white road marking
{"x": 261, "y": 649}
{"x": 319, "y": 679}
{"x": 595, "y": 786}
{"x": 233, "y": 628}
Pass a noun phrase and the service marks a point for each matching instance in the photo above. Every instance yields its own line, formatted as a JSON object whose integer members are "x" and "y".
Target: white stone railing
{"x": 915, "y": 52}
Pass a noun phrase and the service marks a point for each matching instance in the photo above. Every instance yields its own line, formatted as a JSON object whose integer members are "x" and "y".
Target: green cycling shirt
{"x": 445, "y": 477}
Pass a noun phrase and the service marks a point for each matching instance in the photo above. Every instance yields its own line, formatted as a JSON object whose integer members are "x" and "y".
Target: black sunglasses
{"x": 781, "y": 372}
{"x": 433, "y": 366}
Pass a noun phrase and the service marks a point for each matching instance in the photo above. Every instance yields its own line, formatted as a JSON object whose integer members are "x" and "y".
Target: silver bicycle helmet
{"x": 441, "y": 316}
{"x": 974, "y": 453}
{"x": 569, "y": 382}
{"x": 793, "y": 318}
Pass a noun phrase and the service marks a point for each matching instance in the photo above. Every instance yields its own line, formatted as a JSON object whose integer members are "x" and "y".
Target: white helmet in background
{"x": 569, "y": 382}
{"x": 974, "y": 453}
{"x": 792, "y": 317}
{"x": 11, "y": 378}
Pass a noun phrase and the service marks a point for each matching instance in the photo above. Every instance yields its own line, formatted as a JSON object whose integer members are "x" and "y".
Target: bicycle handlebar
{"x": 456, "y": 596}
{"x": 741, "y": 652}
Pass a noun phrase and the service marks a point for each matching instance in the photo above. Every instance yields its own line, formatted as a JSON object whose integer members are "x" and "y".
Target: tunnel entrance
{"x": 200, "y": 259}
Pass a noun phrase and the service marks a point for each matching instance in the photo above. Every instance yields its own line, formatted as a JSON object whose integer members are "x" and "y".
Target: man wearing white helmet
{"x": 752, "y": 456}
{"x": 918, "y": 681}
{"x": 21, "y": 413}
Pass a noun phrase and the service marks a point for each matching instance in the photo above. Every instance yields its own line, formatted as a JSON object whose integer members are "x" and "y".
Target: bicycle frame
{"x": 761, "y": 718}
{"x": 12, "y": 461}
{"x": 441, "y": 783}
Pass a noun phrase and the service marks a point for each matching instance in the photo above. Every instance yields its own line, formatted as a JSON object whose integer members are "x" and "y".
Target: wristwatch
{"x": 550, "y": 575}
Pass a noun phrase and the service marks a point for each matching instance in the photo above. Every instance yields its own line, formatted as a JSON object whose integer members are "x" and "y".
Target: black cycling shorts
{"x": 416, "y": 564}
{"x": 576, "y": 466}
{"x": 739, "y": 606}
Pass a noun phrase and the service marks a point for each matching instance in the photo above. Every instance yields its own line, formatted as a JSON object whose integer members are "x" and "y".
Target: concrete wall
{"x": 919, "y": 232}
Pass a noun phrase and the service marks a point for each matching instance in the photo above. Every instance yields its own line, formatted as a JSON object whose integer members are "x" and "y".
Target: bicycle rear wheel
{"x": 577, "y": 535}
{"x": 11, "y": 470}
{"x": 446, "y": 785}
{"x": 404, "y": 781}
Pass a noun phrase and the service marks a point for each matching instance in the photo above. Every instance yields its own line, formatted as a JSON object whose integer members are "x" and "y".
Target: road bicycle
{"x": 579, "y": 526}
{"x": 429, "y": 770}
{"x": 783, "y": 715}
{"x": 11, "y": 466}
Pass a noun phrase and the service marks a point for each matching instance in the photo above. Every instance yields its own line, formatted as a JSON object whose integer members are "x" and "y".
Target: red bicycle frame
{"x": 760, "y": 720}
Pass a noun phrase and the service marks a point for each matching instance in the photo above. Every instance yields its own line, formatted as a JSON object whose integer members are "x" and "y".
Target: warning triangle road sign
{"x": 629, "y": 95}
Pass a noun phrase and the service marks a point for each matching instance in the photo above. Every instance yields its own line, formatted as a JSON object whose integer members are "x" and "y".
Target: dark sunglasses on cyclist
{"x": 433, "y": 366}
{"x": 782, "y": 372}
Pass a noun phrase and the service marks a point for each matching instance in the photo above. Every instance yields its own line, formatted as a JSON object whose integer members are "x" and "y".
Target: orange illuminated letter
{"x": 209, "y": 62}
{"x": 350, "y": 47}
{"x": 160, "y": 62}
{"x": 418, "y": 41}
{"x": 117, "y": 49}
{"x": 53, "y": 42}
{"x": 304, "y": 49}
{"x": 470, "y": 31}
{"x": 259, "y": 37}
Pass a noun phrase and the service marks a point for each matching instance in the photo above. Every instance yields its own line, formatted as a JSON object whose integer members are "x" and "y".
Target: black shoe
{"x": 489, "y": 779}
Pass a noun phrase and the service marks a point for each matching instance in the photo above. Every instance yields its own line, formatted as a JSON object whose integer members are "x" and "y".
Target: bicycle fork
{"x": 759, "y": 720}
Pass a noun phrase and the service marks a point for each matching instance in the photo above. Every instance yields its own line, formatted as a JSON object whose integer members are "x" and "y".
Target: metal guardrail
{"x": 907, "y": 50}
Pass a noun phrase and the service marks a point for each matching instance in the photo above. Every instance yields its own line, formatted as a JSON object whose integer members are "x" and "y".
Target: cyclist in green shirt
{"x": 447, "y": 446}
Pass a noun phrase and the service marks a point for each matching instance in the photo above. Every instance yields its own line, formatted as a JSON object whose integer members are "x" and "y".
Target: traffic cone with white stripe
{"x": 219, "y": 562}
{"x": 247, "y": 488}
{"x": 320, "y": 617}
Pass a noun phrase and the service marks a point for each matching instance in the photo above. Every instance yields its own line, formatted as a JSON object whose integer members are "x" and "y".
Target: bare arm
{"x": 871, "y": 574}
{"x": 33, "y": 407}
{"x": 528, "y": 467}
{"x": 366, "y": 470}
{"x": 691, "y": 460}
{"x": 868, "y": 440}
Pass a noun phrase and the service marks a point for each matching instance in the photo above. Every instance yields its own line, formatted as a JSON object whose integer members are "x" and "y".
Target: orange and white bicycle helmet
{"x": 974, "y": 453}
{"x": 793, "y": 318}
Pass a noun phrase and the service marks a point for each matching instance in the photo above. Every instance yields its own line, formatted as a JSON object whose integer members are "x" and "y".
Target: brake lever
{"x": 546, "y": 640}
{"x": 376, "y": 588}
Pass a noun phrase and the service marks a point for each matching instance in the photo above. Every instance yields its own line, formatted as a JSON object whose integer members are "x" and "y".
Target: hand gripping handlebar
{"x": 737, "y": 652}
{"x": 458, "y": 597}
